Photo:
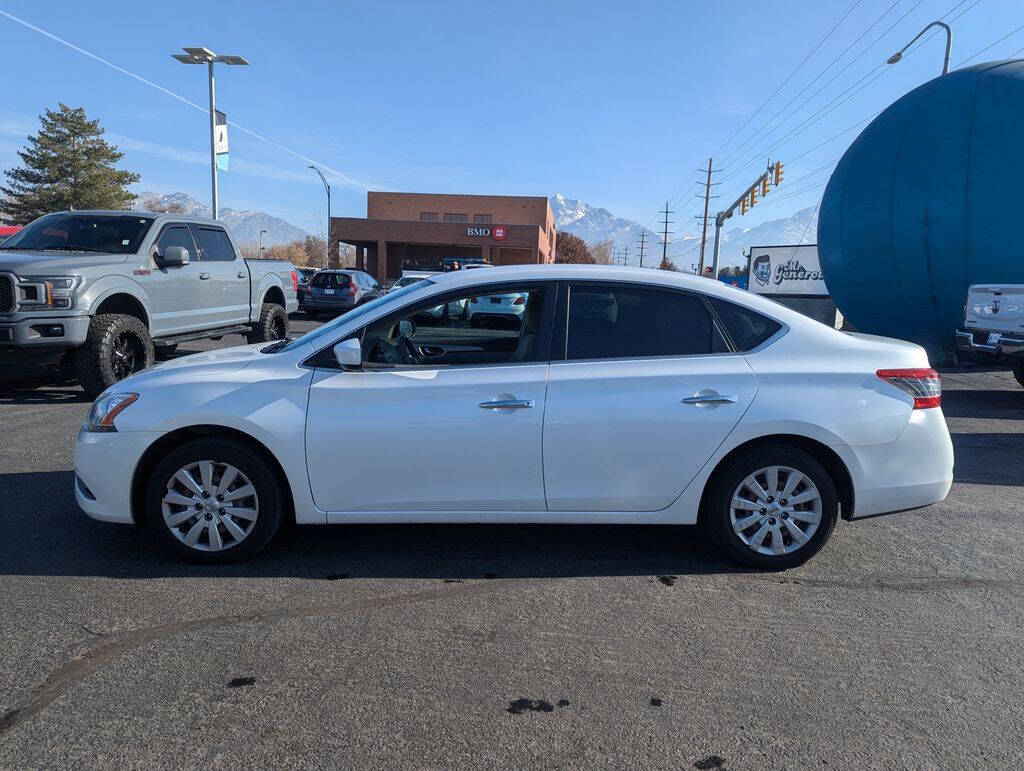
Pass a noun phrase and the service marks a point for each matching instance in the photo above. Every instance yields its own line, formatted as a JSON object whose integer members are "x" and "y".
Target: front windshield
{"x": 327, "y": 329}
{"x": 74, "y": 232}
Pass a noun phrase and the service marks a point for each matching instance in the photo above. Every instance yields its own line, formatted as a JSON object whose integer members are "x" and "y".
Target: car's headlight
{"x": 105, "y": 409}
{"x": 47, "y": 291}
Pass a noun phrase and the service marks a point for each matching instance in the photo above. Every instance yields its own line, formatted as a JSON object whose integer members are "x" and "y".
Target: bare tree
{"x": 572, "y": 249}
{"x": 153, "y": 204}
{"x": 602, "y": 252}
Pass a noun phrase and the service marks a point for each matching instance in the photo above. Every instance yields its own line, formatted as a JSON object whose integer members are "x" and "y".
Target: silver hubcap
{"x": 210, "y": 506}
{"x": 775, "y": 510}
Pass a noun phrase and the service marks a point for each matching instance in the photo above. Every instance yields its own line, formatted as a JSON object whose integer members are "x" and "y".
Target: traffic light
{"x": 743, "y": 205}
{"x": 778, "y": 173}
{"x": 764, "y": 185}
{"x": 753, "y": 197}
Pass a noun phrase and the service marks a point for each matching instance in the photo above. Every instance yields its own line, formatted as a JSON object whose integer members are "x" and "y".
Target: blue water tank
{"x": 927, "y": 201}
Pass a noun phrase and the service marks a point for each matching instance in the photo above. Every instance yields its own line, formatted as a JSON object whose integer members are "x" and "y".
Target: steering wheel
{"x": 408, "y": 351}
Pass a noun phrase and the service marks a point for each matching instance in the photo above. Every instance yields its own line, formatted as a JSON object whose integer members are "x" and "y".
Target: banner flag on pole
{"x": 221, "y": 140}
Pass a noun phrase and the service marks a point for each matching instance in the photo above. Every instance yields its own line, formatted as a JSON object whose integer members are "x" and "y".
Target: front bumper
{"x": 984, "y": 341}
{"x": 34, "y": 331}
{"x": 104, "y": 466}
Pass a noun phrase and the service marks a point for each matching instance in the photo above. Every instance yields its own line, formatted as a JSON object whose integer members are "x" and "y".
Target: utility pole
{"x": 771, "y": 178}
{"x": 664, "y": 238}
{"x": 643, "y": 238}
{"x": 704, "y": 227}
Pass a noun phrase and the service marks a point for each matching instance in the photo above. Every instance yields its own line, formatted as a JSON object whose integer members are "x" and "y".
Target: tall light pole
{"x": 208, "y": 57}
{"x": 261, "y": 243}
{"x": 327, "y": 186}
{"x": 949, "y": 45}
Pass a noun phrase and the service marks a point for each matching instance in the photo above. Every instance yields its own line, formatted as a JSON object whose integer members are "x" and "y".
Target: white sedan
{"x": 624, "y": 396}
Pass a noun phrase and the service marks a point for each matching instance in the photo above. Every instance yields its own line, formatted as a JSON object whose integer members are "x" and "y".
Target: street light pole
{"x": 261, "y": 243}
{"x": 949, "y": 45}
{"x": 199, "y": 55}
{"x": 327, "y": 187}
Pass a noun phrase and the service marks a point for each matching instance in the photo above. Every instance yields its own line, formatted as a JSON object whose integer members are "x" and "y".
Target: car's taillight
{"x": 351, "y": 288}
{"x": 519, "y": 301}
{"x": 473, "y": 300}
{"x": 295, "y": 282}
{"x": 923, "y": 384}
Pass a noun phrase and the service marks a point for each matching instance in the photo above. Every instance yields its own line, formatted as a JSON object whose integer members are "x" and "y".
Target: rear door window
{"x": 216, "y": 245}
{"x": 748, "y": 329}
{"x": 609, "y": 321}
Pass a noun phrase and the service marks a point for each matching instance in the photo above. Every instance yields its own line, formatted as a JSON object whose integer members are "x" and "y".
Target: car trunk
{"x": 998, "y": 308}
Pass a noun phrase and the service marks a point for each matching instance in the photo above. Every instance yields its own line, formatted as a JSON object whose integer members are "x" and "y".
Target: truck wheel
{"x": 273, "y": 325}
{"x": 117, "y": 346}
{"x": 1017, "y": 364}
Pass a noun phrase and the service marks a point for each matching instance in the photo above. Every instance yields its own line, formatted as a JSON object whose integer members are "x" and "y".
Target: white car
{"x": 496, "y": 307}
{"x": 626, "y": 396}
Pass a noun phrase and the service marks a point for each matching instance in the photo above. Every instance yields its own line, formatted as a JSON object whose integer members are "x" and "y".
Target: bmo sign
{"x": 498, "y": 232}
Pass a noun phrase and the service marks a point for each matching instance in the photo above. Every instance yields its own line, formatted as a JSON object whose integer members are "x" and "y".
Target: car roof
{"x": 654, "y": 277}
{"x": 155, "y": 214}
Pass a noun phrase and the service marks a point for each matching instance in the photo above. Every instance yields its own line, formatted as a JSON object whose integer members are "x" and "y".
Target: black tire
{"x": 164, "y": 352}
{"x": 273, "y": 325}
{"x": 717, "y": 519}
{"x": 117, "y": 346}
{"x": 251, "y": 463}
{"x": 1017, "y": 365}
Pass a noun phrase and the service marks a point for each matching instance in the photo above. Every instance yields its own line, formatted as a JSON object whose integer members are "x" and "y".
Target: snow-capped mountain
{"x": 245, "y": 225}
{"x": 594, "y": 224}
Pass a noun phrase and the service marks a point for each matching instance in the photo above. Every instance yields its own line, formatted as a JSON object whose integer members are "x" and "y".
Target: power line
{"x": 983, "y": 50}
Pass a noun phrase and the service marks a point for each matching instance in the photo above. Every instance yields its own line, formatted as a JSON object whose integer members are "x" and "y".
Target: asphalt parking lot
{"x": 425, "y": 646}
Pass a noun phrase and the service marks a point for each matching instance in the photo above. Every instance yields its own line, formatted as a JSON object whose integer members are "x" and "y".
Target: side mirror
{"x": 349, "y": 353}
{"x": 175, "y": 255}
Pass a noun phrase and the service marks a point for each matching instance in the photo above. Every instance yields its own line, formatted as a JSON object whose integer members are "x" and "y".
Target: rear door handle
{"x": 713, "y": 398}
{"x": 204, "y": 276}
{"x": 508, "y": 404}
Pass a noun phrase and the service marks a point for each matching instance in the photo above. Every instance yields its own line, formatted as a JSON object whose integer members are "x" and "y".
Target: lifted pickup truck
{"x": 994, "y": 323}
{"x": 104, "y": 292}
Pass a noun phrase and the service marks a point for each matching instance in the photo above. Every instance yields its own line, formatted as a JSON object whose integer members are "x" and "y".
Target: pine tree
{"x": 67, "y": 165}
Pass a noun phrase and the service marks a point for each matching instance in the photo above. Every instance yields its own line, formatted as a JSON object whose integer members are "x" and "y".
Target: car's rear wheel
{"x": 273, "y": 325}
{"x": 773, "y": 508}
{"x": 1017, "y": 364}
{"x": 214, "y": 501}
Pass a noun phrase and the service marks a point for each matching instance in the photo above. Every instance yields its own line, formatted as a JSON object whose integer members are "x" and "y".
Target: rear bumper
{"x": 994, "y": 343}
{"x": 310, "y": 303}
{"x": 913, "y": 471}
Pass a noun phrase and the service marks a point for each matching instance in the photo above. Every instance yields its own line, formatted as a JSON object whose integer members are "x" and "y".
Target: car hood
{"x": 196, "y": 366}
{"x": 55, "y": 263}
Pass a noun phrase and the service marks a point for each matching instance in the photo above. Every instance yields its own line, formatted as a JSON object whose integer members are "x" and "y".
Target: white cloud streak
{"x": 335, "y": 175}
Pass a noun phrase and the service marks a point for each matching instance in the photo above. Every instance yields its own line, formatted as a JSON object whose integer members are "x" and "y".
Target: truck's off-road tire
{"x": 1017, "y": 364}
{"x": 273, "y": 325}
{"x": 117, "y": 346}
{"x": 790, "y": 495}
{"x": 214, "y": 501}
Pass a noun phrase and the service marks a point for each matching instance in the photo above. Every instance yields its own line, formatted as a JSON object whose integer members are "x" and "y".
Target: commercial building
{"x": 429, "y": 231}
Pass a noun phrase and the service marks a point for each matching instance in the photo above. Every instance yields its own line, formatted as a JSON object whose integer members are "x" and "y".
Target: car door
{"x": 643, "y": 389}
{"x": 226, "y": 276}
{"x": 178, "y": 299}
{"x": 434, "y": 436}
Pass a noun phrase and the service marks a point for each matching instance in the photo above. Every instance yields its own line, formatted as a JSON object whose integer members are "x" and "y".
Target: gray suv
{"x": 337, "y": 291}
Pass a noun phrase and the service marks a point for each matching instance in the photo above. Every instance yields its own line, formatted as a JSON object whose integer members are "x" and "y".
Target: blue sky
{"x": 614, "y": 103}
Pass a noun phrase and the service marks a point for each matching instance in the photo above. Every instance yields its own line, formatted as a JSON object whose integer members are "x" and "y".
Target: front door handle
{"x": 508, "y": 404}
{"x": 712, "y": 398}
{"x": 204, "y": 276}
{"x": 241, "y": 274}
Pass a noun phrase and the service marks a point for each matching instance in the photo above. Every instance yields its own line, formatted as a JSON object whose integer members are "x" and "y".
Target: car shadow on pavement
{"x": 43, "y": 533}
{"x": 974, "y": 454}
{"x": 54, "y": 390}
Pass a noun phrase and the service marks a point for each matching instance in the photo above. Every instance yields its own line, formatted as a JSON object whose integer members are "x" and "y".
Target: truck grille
{"x": 6, "y": 293}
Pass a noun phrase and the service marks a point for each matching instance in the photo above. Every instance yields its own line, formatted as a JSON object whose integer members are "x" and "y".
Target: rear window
{"x": 747, "y": 328}
{"x": 330, "y": 280}
{"x": 215, "y": 244}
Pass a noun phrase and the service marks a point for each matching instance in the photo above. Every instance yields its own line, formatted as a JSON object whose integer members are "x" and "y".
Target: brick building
{"x": 428, "y": 231}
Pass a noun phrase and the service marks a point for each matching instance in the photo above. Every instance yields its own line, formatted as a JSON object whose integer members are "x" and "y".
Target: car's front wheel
{"x": 772, "y": 508}
{"x": 214, "y": 501}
